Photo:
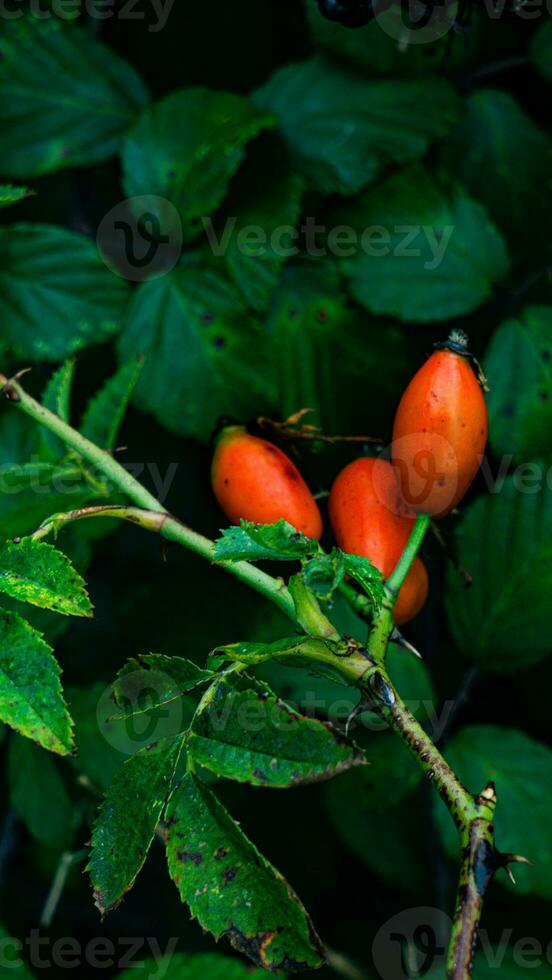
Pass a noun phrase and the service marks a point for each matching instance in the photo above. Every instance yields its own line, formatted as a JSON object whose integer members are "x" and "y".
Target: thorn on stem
{"x": 397, "y": 637}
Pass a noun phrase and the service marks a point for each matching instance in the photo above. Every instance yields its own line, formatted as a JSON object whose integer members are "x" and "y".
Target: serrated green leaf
{"x": 521, "y": 769}
{"x": 230, "y": 888}
{"x": 57, "y": 398}
{"x": 186, "y": 966}
{"x": 41, "y": 574}
{"x": 125, "y": 827}
{"x": 185, "y": 149}
{"x": 434, "y": 253}
{"x": 106, "y": 410}
{"x": 12, "y": 195}
{"x": 497, "y": 137}
{"x": 38, "y": 794}
{"x": 541, "y": 50}
{"x": 367, "y": 576}
{"x": 56, "y": 295}
{"x": 31, "y": 699}
{"x": 204, "y": 354}
{"x": 343, "y": 131}
{"x": 505, "y": 541}
{"x": 518, "y": 363}
{"x": 251, "y": 736}
{"x": 66, "y": 100}
{"x": 258, "y": 542}
{"x": 158, "y": 678}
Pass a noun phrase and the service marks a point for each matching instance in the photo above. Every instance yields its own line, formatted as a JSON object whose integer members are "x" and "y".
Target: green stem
{"x": 396, "y": 579}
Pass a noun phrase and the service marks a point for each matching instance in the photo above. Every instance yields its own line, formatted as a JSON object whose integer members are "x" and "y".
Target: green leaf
{"x": 105, "y": 412}
{"x": 225, "y": 370}
{"x": 262, "y": 210}
{"x": 66, "y": 100}
{"x": 38, "y": 794}
{"x": 432, "y": 252}
{"x": 343, "y": 131}
{"x": 518, "y": 364}
{"x": 12, "y": 195}
{"x": 231, "y": 889}
{"x": 541, "y": 50}
{"x": 36, "y": 572}
{"x": 186, "y": 966}
{"x": 323, "y": 347}
{"x": 57, "y": 398}
{"x": 56, "y": 295}
{"x": 325, "y": 573}
{"x": 157, "y": 678}
{"x": 367, "y": 576}
{"x": 125, "y": 827}
{"x": 503, "y": 621}
{"x": 257, "y": 542}
{"x": 521, "y": 769}
{"x": 186, "y": 148}
{"x": 497, "y": 137}
{"x": 31, "y": 699}
{"x": 33, "y": 492}
{"x": 318, "y": 657}
{"x": 251, "y": 736}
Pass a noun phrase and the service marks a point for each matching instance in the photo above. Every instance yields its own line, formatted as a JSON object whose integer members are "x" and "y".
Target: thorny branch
{"x": 473, "y": 816}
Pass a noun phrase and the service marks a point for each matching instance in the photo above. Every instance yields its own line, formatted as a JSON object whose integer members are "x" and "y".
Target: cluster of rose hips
{"x": 439, "y": 438}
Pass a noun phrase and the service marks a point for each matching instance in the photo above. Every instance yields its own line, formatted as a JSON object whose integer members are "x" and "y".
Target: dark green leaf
{"x": 257, "y": 542}
{"x": 57, "y": 398}
{"x": 38, "y": 794}
{"x": 66, "y": 100}
{"x": 367, "y": 576}
{"x": 497, "y": 137}
{"x": 343, "y": 131}
{"x": 126, "y": 824}
{"x": 12, "y": 195}
{"x": 262, "y": 210}
{"x": 541, "y": 50}
{"x": 105, "y": 412}
{"x": 99, "y": 753}
{"x": 521, "y": 769}
{"x": 31, "y": 699}
{"x": 204, "y": 355}
{"x": 186, "y": 966}
{"x": 251, "y": 736}
{"x": 432, "y": 252}
{"x": 186, "y": 148}
{"x": 156, "y": 678}
{"x": 319, "y": 657}
{"x": 503, "y": 621}
{"x": 230, "y": 888}
{"x": 323, "y": 347}
{"x": 518, "y": 364}
{"x": 56, "y": 295}
{"x": 36, "y": 572}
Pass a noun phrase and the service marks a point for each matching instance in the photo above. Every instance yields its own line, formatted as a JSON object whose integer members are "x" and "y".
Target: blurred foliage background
{"x": 260, "y": 110}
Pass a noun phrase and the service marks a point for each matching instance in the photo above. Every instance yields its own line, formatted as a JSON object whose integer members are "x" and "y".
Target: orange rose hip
{"x": 255, "y": 481}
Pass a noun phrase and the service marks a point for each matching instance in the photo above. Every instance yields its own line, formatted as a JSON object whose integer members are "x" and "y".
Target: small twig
{"x": 341, "y": 965}
{"x": 290, "y": 429}
{"x": 66, "y": 862}
{"x": 498, "y": 66}
{"x": 437, "y": 534}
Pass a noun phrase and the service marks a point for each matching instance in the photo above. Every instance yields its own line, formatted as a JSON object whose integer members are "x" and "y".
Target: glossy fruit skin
{"x": 256, "y": 481}
{"x": 413, "y": 595}
{"x": 440, "y": 433}
{"x": 368, "y": 515}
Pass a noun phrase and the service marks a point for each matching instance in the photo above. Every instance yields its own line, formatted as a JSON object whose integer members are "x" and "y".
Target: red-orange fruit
{"x": 368, "y": 515}
{"x": 255, "y": 481}
{"x": 440, "y": 432}
{"x": 413, "y": 595}
{"x": 369, "y": 518}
